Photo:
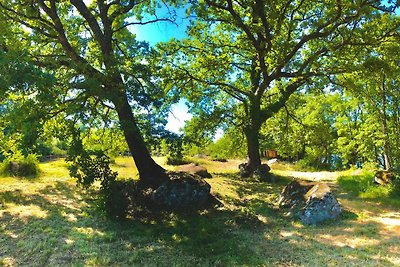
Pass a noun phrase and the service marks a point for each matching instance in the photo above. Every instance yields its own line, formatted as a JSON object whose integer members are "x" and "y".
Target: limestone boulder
{"x": 261, "y": 173}
{"x": 183, "y": 190}
{"x": 244, "y": 170}
{"x": 195, "y": 169}
{"x": 311, "y": 202}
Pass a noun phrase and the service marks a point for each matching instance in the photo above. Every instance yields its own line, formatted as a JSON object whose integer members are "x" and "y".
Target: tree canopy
{"x": 97, "y": 67}
{"x": 249, "y": 57}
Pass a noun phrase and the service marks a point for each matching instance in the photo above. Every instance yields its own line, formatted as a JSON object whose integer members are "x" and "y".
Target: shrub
{"x": 176, "y": 161}
{"x": 173, "y": 148}
{"x": 363, "y": 186}
{"x": 58, "y": 152}
{"x": 115, "y": 196}
{"x": 87, "y": 169}
{"x": 23, "y": 167}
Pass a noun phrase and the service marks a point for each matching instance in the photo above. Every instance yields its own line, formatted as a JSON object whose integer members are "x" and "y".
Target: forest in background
{"x": 318, "y": 83}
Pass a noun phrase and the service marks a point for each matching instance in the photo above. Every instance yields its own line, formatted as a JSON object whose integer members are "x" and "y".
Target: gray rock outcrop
{"x": 311, "y": 202}
{"x": 183, "y": 190}
{"x": 195, "y": 169}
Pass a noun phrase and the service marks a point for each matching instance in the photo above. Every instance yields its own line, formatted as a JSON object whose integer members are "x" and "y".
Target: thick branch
{"x": 276, "y": 106}
{"x": 91, "y": 20}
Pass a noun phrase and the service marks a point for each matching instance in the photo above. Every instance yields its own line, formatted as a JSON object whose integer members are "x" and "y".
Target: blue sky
{"x": 163, "y": 32}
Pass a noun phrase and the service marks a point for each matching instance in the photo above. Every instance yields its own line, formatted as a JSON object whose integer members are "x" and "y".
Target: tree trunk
{"x": 150, "y": 173}
{"x": 386, "y": 143}
{"x": 253, "y": 147}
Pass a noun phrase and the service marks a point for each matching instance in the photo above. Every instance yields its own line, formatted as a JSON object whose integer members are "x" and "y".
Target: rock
{"x": 244, "y": 170}
{"x": 195, "y": 169}
{"x": 272, "y": 161}
{"x": 262, "y": 172}
{"x": 311, "y": 202}
{"x": 183, "y": 190}
{"x": 292, "y": 196}
{"x": 383, "y": 177}
{"x": 14, "y": 168}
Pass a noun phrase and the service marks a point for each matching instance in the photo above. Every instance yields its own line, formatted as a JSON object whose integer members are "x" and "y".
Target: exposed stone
{"x": 272, "y": 161}
{"x": 195, "y": 169}
{"x": 262, "y": 172}
{"x": 311, "y": 202}
{"x": 14, "y": 167}
{"x": 292, "y": 196}
{"x": 244, "y": 170}
{"x": 183, "y": 190}
{"x": 383, "y": 177}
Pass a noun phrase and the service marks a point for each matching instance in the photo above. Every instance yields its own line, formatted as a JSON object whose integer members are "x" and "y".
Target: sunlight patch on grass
{"x": 69, "y": 241}
{"x": 70, "y": 217}
{"x": 54, "y": 169}
{"x": 88, "y": 231}
{"x": 344, "y": 241}
{"x": 24, "y": 211}
{"x": 231, "y": 166}
{"x": 125, "y": 166}
{"x": 8, "y": 262}
{"x": 390, "y": 222}
{"x": 11, "y": 234}
{"x": 248, "y": 231}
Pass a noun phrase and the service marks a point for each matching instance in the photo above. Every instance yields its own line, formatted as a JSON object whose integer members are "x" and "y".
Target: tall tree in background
{"x": 90, "y": 47}
{"x": 375, "y": 81}
{"x": 258, "y": 53}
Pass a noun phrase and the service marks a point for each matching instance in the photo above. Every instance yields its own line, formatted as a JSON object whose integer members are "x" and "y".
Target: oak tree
{"x": 89, "y": 48}
{"x": 258, "y": 53}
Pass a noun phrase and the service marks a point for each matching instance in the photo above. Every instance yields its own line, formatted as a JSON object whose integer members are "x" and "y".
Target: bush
{"x": 363, "y": 186}
{"x": 58, "y": 152}
{"x": 115, "y": 196}
{"x": 176, "y": 161}
{"x": 88, "y": 169}
{"x": 23, "y": 167}
{"x": 172, "y": 146}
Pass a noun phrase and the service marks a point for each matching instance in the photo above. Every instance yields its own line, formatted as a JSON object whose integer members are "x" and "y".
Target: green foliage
{"x": 21, "y": 166}
{"x": 247, "y": 59}
{"x": 88, "y": 169}
{"x": 363, "y": 186}
{"x": 230, "y": 145}
{"x": 172, "y": 147}
{"x": 104, "y": 81}
{"x": 110, "y": 140}
{"x": 114, "y": 195}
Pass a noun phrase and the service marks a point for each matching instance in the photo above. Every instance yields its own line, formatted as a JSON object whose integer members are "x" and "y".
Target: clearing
{"x": 48, "y": 221}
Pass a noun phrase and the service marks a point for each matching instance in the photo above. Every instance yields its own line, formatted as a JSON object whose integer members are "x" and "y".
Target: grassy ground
{"x": 48, "y": 221}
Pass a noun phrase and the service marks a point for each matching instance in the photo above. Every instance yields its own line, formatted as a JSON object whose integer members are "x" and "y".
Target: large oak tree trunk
{"x": 253, "y": 147}
{"x": 151, "y": 174}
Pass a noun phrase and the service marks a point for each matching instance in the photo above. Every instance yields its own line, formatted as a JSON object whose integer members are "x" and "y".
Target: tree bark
{"x": 253, "y": 146}
{"x": 385, "y": 130}
{"x": 151, "y": 174}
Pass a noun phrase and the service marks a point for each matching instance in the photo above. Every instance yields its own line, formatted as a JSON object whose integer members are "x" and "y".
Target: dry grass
{"x": 48, "y": 221}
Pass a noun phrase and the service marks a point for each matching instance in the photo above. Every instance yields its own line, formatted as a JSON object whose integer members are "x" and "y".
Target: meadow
{"x": 49, "y": 221}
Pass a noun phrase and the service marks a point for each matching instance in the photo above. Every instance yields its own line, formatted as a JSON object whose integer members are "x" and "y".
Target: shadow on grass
{"x": 251, "y": 233}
